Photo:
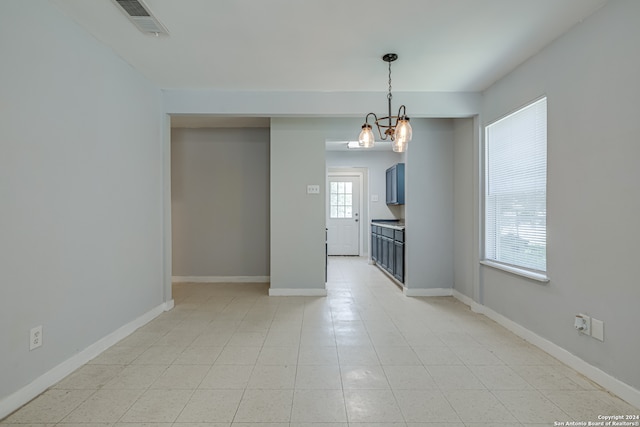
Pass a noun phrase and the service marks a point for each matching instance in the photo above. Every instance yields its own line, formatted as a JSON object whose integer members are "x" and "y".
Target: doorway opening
{"x": 346, "y": 212}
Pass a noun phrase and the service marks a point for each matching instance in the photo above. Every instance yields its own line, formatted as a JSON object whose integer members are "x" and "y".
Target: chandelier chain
{"x": 389, "y": 96}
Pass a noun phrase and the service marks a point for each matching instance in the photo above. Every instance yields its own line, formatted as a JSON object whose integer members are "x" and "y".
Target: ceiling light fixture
{"x": 399, "y": 132}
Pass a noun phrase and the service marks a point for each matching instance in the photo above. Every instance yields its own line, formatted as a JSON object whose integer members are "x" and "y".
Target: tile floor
{"x": 229, "y": 355}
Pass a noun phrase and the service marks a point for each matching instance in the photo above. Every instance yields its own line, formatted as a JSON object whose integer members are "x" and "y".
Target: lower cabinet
{"x": 398, "y": 271}
{"x": 387, "y": 250}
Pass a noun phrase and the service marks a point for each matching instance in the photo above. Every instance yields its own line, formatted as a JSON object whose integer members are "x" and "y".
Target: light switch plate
{"x": 374, "y": 197}
{"x": 313, "y": 189}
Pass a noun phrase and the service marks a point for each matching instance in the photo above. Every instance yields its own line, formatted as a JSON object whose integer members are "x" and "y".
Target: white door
{"x": 343, "y": 216}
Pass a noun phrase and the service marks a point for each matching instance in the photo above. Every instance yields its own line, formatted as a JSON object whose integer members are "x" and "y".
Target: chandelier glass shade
{"x": 396, "y": 128}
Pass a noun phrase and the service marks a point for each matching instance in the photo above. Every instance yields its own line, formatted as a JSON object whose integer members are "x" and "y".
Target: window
{"x": 515, "y": 198}
{"x": 341, "y": 202}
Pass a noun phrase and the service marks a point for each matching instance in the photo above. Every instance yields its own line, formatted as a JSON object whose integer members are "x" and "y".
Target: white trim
{"x": 297, "y": 292}
{"x": 220, "y": 279}
{"x": 51, "y": 377}
{"x": 465, "y": 300}
{"x": 427, "y": 292}
{"x": 614, "y": 385}
{"x": 540, "y": 277}
{"x": 168, "y": 306}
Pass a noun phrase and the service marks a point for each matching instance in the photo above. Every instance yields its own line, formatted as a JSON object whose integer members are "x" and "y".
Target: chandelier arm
{"x": 402, "y": 111}
{"x": 366, "y": 119}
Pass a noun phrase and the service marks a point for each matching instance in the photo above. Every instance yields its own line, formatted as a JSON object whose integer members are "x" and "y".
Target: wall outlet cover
{"x": 597, "y": 329}
{"x": 35, "y": 337}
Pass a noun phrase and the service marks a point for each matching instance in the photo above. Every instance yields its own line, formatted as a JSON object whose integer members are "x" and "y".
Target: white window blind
{"x": 516, "y": 188}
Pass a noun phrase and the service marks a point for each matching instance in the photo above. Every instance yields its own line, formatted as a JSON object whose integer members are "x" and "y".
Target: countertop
{"x": 396, "y": 224}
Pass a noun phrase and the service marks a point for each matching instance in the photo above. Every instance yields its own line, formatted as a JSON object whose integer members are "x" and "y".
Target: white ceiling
{"x": 331, "y": 45}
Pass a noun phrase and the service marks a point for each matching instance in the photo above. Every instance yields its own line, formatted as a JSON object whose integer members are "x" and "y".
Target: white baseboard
{"x": 297, "y": 292}
{"x": 53, "y": 376}
{"x": 614, "y": 385}
{"x": 427, "y": 292}
{"x": 168, "y": 306}
{"x": 220, "y": 279}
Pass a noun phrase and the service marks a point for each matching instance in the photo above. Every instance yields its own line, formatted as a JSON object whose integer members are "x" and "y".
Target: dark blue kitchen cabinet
{"x": 395, "y": 184}
{"x": 387, "y": 250}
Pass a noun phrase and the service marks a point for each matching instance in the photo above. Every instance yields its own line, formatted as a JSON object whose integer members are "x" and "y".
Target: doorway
{"x": 344, "y": 221}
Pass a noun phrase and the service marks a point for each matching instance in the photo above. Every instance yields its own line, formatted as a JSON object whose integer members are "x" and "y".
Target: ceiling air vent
{"x": 139, "y": 14}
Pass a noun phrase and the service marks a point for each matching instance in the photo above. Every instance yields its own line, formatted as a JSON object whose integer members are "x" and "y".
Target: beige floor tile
{"x": 160, "y": 406}
{"x": 159, "y": 355}
{"x": 478, "y": 406}
{"x": 369, "y": 406}
{"x": 454, "y": 377}
{"x": 584, "y": 405}
{"x": 50, "y": 407}
{"x": 363, "y": 377}
{"x": 318, "y": 356}
{"x": 325, "y": 377}
{"x": 238, "y": 356}
{"x": 409, "y": 378}
{"x": 357, "y": 356}
{"x": 104, "y": 406}
{"x": 425, "y": 406}
{"x": 227, "y": 377}
{"x": 265, "y": 406}
{"x": 544, "y": 377}
{"x": 198, "y": 356}
{"x": 247, "y": 339}
{"x": 272, "y": 377}
{"x": 435, "y": 355}
{"x": 397, "y": 356}
{"x": 318, "y": 406}
{"x": 311, "y": 425}
{"x": 500, "y": 378}
{"x": 118, "y": 355}
{"x": 181, "y": 377}
{"x": 284, "y": 338}
{"x": 90, "y": 377}
{"x": 136, "y": 377}
{"x": 530, "y": 406}
{"x": 218, "y": 337}
{"x": 476, "y": 355}
{"x": 211, "y": 406}
{"x": 278, "y": 356}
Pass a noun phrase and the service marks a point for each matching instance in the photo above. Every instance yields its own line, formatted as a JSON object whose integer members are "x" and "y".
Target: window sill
{"x": 540, "y": 277}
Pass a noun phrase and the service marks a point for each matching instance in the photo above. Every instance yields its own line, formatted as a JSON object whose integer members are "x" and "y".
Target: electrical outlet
{"x": 583, "y": 324}
{"x": 313, "y": 189}
{"x": 35, "y": 337}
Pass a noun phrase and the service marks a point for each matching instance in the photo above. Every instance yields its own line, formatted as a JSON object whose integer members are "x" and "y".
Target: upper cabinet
{"x": 395, "y": 184}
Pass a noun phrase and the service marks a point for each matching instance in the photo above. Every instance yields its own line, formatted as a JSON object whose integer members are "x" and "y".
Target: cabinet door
{"x": 374, "y": 246}
{"x": 398, "y": 270}
{"x": 392, "y": 257}
{"x": 391, "y": 185}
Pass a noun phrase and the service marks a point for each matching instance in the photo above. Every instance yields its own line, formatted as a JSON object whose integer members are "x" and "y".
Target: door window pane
{"x": 341, "y": 199}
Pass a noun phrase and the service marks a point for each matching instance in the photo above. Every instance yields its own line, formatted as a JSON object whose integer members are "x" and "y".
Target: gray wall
{"x": 464, "y": 208}
{"x": 590, "y": 78}
{"x": 297, "y": 218}
{"x": 429, "y": 205}
{"x": 220, "y": 201}
{"x": 81, "y": 191}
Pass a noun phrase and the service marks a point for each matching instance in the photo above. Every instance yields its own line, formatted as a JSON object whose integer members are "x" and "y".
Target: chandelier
{"x": 397, "y": 128}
